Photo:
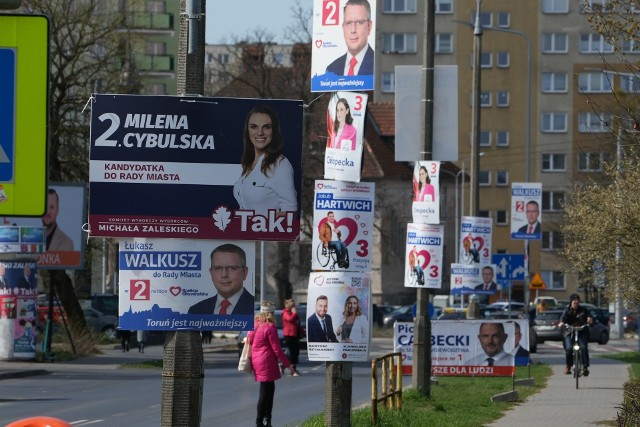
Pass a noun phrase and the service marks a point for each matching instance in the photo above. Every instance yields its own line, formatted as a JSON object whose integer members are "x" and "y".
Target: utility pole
{"x": 182, "y": 362}
{"x": 474, "y": 196}
{"x": 618, "y": 331}
{"x": 421, "y": 379}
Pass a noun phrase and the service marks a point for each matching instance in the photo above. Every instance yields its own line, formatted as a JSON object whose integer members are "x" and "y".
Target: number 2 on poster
{"x": 330, "y": 12}
{"x": 139, "y": 290}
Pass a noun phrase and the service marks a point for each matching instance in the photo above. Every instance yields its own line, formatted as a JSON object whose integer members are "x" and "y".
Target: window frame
{"x": 553, "y": 200}
{"x": 393, "y": 37}
{"x": 405, "y": 11}
{"x": 554, "y": 77}
{"x": 594, "y": 82}
{"x": 552, "y": 163}
{"x": 585, "y": 160}
{"x": 551, "y": 278}
{"x": 502, "y": 144}
{"x": 555, "y": 6}
{"x": 502, "y": 103}
{"x": 392, "y": 83}
{"x": 441, "y": 3}
{"x": 502, "y": 213}
{"x": 551, "y": 241}
{"x": 439, "y": 43}
{"x": 553, "y": 116}
{"x": 502, "y": 178}
{"x": 500, "y": 63}
{"x": 591, "y": 122}
{"x": 553, "y": 49}
{"x": 484, "y": 174}
{"x": 595, "y": 44}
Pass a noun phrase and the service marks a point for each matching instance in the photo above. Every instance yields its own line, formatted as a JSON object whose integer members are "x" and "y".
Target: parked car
{"x": 105, "y": 303}
{"x": 377, "y": 315}
{"x": 402, "y": 314}
{"x": 505, "y": 306}
{"x": 100, "y": 322}
{"x": 450, "y": 313}
{"x": 546, "y": 326}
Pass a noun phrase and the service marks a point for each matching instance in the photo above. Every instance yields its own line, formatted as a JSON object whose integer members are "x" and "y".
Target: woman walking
{"x": 290, "y": 328}
{"x": 265, "y": 353}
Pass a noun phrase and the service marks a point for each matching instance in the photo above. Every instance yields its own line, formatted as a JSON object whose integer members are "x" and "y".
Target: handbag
{"x": 245, "y": 365}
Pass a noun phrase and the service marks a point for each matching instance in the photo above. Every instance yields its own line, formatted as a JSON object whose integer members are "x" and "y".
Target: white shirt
{"x": 359, "y": 57}
{"x": 233, "y": 300}
{"x": 259, "y": 192}
{"x": 501, "y": 359}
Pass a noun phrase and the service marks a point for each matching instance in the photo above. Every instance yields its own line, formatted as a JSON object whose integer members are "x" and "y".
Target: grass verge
{"x": 147, "y": 364}
{"x": 630, "y": 357}
{"x": 455, "y": 401}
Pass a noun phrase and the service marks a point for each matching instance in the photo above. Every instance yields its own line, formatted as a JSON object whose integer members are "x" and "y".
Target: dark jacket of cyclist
{"x": 576, "y": 315}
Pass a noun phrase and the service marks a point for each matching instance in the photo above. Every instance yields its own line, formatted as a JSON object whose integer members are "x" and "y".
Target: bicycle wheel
{"x": 322, "y": 255}
{"x": 412, "y": 276}
{"x": 577, "y": 366}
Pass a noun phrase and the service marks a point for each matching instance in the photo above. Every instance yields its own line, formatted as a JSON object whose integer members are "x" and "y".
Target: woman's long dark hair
{"x": 347, "y": 119}
{"x": 420, "y": 181}
{"x": 273, "y": 151}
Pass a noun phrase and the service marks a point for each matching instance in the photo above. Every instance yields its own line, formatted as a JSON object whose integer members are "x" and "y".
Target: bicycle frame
{"x": 577, "y": 350}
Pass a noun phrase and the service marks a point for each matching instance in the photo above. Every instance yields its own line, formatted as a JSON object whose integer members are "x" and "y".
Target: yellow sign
{"x": 537, "y": 282}
{"x": 24, "y": 67}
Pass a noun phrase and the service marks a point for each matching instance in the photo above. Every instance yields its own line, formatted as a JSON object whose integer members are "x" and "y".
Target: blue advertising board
{"x": 172, "y": 167}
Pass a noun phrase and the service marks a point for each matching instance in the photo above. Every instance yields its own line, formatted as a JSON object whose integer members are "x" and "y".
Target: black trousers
{"x": 293, "y": 343}
{"x": 265, "y": 400}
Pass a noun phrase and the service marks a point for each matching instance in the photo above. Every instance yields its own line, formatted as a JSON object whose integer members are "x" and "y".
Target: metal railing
{"x": 391, "y": 383}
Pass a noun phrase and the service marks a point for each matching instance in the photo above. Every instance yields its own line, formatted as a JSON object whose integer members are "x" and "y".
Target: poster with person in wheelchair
{"x": 343, "y": 226}
{"x": 423, "y": 261}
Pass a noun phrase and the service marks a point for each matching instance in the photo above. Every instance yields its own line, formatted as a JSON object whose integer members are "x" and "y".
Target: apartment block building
{"x": 541, "y": 63}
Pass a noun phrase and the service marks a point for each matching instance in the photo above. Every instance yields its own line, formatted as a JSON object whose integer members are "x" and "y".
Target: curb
{"x": 23, "y": 374}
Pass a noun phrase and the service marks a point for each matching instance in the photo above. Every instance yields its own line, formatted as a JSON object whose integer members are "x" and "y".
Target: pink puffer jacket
{"x": 265, "y": 352}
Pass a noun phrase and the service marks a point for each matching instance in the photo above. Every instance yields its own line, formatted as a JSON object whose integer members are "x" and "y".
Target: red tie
{"x": 531, "y": 229}
{"x": 352, "y": 66}
{"x": 223, "y": 306}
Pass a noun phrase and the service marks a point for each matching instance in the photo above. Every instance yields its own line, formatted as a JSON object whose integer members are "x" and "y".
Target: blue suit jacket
{"x": 244, "y": 305}
{"x": 536, "y": 229}
{"x": 315, "y": 332}
{"x": 366, "y": 68}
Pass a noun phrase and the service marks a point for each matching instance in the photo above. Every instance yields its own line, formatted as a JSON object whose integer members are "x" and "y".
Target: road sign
{"x": 537, "y": 282}
{"x": 509, "y": 266}
{"x": 24, "y": 67}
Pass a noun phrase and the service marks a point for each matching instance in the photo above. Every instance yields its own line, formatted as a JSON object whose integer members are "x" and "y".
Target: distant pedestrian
{"x": 142, "y": 339}
{"x": 265, "y": 353}
{"x": 291, "y": 332}
{"x": 206, "y": 337}
{"x": 125, "y": 336}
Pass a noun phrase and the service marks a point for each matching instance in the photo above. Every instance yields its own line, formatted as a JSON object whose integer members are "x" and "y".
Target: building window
{"x": 388, "y": 82}
{"x": 502, "y": 178}
{"x": 502, "y": 217}
{"x": 484, "y": 178}
{"x": 553, "y": 279}
{"x": 553, "y": 163}
{"x": 485, "y": 60}
{"x": 223, "y": 58}
{"x": 485, "y": 99}
{"x": 399, "y": 6}
{"x": 552, "y": 240}
{"x": 444, "y": 43}
{"x": 552, "y": 201}
{"x": 485, "y": 18}
{"x": 485, "y": 138}
{"x": 554, "y": 122}
{"x": 502, "y": 98}
{"x": 504, "y": 19}
{"x": 555, "y": 6}
{"x": 629, "y": 46}
{"x": 555, "y": 43}
{"x": 503, "y": 59}
{"x": 278, "y": 58}
{"x": 502, "y": 138}
{"x": 444, "y": 6}
{"x": 591, "y": 122}
{"x": 592, "y": 162}
{"x": 629, "y": 83}
{"x": 399, "y": 43}
{"x": 588, "y": 6}
{"x": 594, "y": 82}
{"x": 156, "y": 48}
{"x": 594, "y": 43}
{"x": 484, "y": 214}
{"x": 554, "y": 82}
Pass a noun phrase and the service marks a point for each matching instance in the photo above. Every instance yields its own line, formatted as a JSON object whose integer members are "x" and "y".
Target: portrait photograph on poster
{"x": 526, "y": 212}
{"x": 426, "y": 192}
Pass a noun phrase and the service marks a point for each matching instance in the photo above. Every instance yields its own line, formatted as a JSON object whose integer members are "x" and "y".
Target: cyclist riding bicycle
{"x": 576, "y": 315}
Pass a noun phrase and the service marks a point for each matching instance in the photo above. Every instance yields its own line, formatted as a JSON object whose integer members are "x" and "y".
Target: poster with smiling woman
{"x": 423, "y": 260}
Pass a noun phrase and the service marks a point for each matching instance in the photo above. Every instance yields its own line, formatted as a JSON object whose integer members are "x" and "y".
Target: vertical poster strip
{"x": 339, "y": 316}
{"x": 526, "y": 217}
{"x": 475, "y": 240}
{"x": 423, "y": 260}
{"x": 345, "y": 126}
{"x": 426, "y": 193}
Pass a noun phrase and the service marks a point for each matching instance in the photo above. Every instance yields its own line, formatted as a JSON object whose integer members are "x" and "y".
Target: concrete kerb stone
{"x": 509, "y": 396}
{"x": 531, "y": 382}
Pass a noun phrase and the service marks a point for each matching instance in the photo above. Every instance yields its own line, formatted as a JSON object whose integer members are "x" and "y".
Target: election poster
{"x": 342, "y": 226}
{"x": 426, "y": 192}
{"x": 526, "y": 215}
{"x": 403, "y": 344}
{"x": 345, "y": 126}
{"x": 180, "y": 284}
{"x": 195, "y": 168}
{"x": 343, "y": 46}
{"x": 473, "y": 348}
{"x": 56, "y": 237}
{"x": 475, "y": 240}
{"x": 338, "y": 316}
{"x": 18, "y": 307}
{"x": 423, "y": 259}
{"x": 465, "y": 278}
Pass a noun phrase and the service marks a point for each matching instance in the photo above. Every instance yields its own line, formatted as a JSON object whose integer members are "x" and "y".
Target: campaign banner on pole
{"x": 423, "y": 260}
{"x": 56, "y": 237}
{"x": 472, "y": 348}
{"x": 342, "y": 226}
{"x": 338, "y": 316}
{"x": 526, "y": 215}
{"x": 183, "y": 167}
{"x": 180, "y": 284}
{"x": 345, "y": 126}
{"x": 343, "y": 46}
{"x": 475, "y": 240}
{"x": 18, "y": 302}
{"x": 465, "y": 278}
{"x": 426, "y": 193}
{"x": 403, "y": 344}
